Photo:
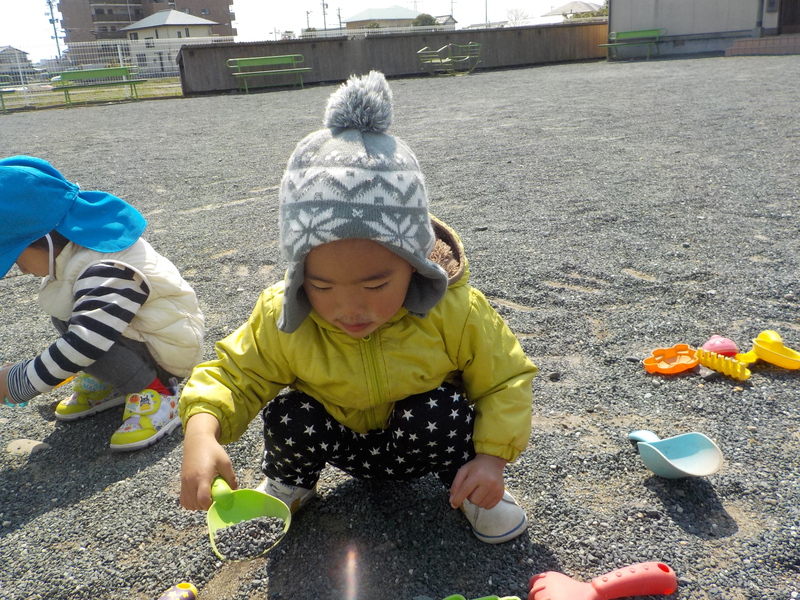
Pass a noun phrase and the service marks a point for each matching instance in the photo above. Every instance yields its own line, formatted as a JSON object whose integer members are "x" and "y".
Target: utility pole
{"x": 339, "y": 14}
{"x": 54, "y": 22}
{"x": 324, "y": 21}
{"x": 308, "y": 23}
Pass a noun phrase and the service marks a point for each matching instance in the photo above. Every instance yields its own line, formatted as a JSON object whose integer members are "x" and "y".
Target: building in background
{"x": 170, "y": 24}
{"x": 394, "y": 16}
{"x": 14, "y": 62}
{"x": 732, "y": 27}
{"x": 92, "y": 20}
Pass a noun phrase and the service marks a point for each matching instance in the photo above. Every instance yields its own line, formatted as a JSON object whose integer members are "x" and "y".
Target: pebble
{"x": 248, "y": 539}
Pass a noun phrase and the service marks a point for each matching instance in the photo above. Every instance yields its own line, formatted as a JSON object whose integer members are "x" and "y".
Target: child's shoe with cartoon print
{"x": 292, "y": 496}
{"x": 148, "y": 417}
{"x": 89, "y": 396}
{"x": 496, "y": 525}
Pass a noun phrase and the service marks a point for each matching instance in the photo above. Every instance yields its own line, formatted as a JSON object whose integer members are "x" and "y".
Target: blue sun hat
{"x": 35, "y": 199}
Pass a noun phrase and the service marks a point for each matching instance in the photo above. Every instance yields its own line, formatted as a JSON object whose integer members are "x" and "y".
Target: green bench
{"x": 5, "y": 80}
{"x": 95, "y": 78}
{"x": 289, "y": 64}
{"x": 641, "y": 37}
{"x": 450, "y": 59}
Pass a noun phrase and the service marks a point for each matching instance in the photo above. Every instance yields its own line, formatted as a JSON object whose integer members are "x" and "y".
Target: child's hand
{"x": 203, "y": 459}
{"x": 480, "y": 481}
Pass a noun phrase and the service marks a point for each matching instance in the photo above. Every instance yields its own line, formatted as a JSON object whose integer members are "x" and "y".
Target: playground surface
{"x": 606, "y": 209}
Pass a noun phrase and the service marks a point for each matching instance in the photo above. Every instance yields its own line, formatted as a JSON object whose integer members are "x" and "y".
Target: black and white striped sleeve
{"x": 107, "y": 297}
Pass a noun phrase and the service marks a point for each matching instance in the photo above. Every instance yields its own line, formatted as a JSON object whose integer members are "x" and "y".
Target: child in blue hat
{"x": 130, "y": 325}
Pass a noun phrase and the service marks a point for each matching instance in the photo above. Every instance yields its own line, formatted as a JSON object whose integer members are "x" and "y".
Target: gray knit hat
{"x": 353, "y": 180}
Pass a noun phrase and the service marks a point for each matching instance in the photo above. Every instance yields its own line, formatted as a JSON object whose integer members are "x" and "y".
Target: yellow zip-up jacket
{"x": 462, "y": 340}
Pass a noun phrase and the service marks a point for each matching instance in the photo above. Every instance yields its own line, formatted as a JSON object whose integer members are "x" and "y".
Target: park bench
{"x": 450, "y": 59}
{"x": 96, "y": 78}
{"x": 641, "y": 37}
{"x": 5, "y": 80}
{"x": 245, "y": 68}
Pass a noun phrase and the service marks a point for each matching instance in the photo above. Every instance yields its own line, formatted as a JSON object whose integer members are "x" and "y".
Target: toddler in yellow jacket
{"x": 395, "y": 366}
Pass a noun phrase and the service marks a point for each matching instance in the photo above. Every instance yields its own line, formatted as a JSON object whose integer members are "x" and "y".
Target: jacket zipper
{"x": 376, "y": 383}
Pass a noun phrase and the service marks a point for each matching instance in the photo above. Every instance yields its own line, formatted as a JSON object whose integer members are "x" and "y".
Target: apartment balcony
{"x": 120, "y": 18}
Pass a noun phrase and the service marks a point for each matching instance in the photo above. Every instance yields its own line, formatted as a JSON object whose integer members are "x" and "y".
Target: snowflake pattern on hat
{"x": 352, "y": 180}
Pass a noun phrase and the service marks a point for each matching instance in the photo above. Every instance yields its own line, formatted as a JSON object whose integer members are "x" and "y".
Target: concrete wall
{"x": 203, "y": 69}
{"x": 693, "y": 26}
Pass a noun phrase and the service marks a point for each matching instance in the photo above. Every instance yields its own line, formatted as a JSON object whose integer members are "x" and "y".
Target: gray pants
{"x": 128, "y": 365}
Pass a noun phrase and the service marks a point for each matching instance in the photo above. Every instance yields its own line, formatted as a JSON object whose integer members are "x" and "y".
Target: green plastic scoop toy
{"x": 234, "y": 506}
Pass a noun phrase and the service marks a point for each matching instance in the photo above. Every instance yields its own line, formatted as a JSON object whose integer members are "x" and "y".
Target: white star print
{"x": 309, "y": 430}
{"x": 431, "y": 427}
{"x": 407, "y": 415}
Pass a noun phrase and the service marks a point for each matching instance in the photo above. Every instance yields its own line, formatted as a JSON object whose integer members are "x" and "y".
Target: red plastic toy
{"x": 641, "y": 579}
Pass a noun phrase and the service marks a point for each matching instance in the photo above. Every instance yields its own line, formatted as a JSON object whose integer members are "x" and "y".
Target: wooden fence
{"x": 203, "y": 67}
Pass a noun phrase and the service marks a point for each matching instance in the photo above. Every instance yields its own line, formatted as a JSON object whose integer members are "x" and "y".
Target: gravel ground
{"x": 607, "y": 209}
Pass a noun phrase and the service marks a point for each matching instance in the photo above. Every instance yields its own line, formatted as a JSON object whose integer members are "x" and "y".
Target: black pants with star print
{"x": 426, "y": 433}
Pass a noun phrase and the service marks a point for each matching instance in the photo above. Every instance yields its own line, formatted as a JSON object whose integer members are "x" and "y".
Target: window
{"x": 133, "y": 36}
{"x": 148, "y": 43}
{"x": 113, "y": 28}
{"x": 179, "y": 35}
{"x": 141, "y": 60}
{"x": 187, "y": 31}
{"x": 187, "y": 11}
{"x": 205, "y": 11}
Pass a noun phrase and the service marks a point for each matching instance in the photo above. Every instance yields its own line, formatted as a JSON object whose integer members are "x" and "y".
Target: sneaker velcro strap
{"x": 143, "y": 403}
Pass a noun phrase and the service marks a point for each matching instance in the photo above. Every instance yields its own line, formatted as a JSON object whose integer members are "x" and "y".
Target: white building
{"x": 169, "y": 24}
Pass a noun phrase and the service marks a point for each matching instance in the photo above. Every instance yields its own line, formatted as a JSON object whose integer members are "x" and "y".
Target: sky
{"x": 24, "y": 24}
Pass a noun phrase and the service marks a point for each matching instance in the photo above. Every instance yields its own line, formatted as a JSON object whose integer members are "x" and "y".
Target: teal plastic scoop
{"x": 234, "y": 506}
{"x": 688, "y": 455}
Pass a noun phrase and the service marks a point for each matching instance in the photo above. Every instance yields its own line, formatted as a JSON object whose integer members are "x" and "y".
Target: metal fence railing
{"x": 31, "y": 82}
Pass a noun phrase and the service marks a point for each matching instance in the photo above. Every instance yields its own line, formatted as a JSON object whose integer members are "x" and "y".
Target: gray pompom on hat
{"x": 352, "y": 180}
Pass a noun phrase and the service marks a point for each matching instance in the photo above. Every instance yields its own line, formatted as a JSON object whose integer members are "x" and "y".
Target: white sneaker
{"x": 292, "y": 496}
{"x": 496, "y": 525}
